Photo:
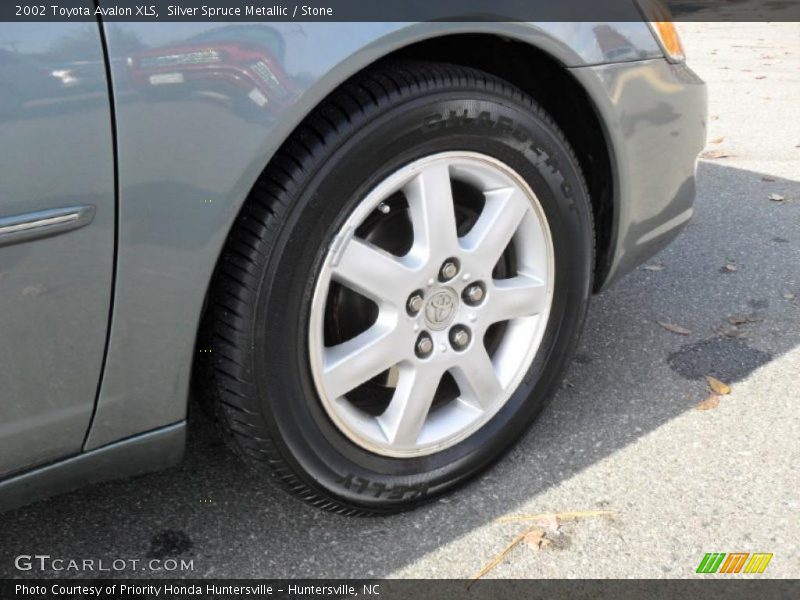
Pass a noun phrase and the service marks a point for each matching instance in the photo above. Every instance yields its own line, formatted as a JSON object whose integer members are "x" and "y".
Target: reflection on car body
{"x": 219, "y": 62}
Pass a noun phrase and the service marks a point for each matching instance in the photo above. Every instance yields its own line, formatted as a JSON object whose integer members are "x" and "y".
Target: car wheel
{"x": 402, "y": 289}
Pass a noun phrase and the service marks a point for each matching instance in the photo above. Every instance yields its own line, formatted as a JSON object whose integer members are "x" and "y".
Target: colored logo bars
{"x": 735, "y": 562}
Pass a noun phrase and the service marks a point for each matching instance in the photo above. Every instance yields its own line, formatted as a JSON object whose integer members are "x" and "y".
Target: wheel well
{"x": 550, "y": 84}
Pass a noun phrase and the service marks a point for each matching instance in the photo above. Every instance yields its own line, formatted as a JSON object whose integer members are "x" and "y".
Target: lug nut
{"x": 414, "y": 304}
{"x": 424, "y": 345}
{"x": 474, "y": 294}
{"x": 449, "y": 270}
{"x": 459, "y": 337}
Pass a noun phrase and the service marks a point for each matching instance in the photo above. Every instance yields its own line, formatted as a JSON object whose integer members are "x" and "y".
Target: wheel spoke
{"x": 351, "y": 363}
{"x": 430, "y": 200}
{"x": 370, "y": 271}
{"x": 521, "y": 296}
{"x": 501, "y": 217}
{"x": 403, "y": 419}
{"x": 476, "y": 378}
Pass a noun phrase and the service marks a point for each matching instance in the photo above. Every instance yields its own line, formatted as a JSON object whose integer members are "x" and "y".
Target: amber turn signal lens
{"x": 660, "y": 19}
{"x": 666, "y": 32}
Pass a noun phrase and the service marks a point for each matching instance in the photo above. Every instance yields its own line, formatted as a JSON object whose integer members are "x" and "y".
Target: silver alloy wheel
{"x": 511, "y": 220}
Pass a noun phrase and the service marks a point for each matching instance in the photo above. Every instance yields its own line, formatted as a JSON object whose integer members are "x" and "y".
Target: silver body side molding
{"x": 43, "y": 223}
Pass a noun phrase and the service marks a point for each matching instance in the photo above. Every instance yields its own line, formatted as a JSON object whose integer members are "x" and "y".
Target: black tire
{"x": 259, "y": 303}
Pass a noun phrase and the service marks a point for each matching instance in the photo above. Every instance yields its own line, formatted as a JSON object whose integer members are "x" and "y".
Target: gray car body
{"x": 100, "y": 322}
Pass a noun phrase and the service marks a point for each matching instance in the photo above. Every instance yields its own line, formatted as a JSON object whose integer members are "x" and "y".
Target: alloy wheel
{"x": 431, "y": 304}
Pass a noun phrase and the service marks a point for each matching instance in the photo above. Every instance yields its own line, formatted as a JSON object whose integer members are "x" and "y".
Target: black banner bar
{"x": 389, "y": 10}
{"x": 709, "y": 587}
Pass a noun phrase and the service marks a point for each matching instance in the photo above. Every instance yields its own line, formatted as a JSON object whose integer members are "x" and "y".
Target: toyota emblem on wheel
{"x": 440, "y": 309}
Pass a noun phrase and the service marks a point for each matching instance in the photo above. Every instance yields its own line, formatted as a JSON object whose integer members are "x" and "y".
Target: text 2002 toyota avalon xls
{"x": 370, "y": 245}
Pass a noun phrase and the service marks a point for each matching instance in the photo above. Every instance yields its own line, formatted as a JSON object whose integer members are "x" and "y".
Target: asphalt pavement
{"x": 623, "y": 435}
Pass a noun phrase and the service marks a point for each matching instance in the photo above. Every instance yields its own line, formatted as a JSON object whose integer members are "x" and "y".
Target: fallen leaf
{"x": 534, "y": 538}
{"x": 730, "y": 331}
{"x": 767, "y": 179}
{"x": 717, "y": 141}
{"x": 776, "y": 197}
{"x": 654, "y": 267}
{"x": 761, "y": 77}
{"x": 717, "y": 386}
{"x": 715, "y": 154}
{"x": 742, "y": 319}
{"x": 731, "y": 268}
{"x": 562, "y": 516}
{"x": 498, "y": 558}
{"x": 709, "y": 403}
{"x": 675, "y": 328}
{"x": 550, "y": 523}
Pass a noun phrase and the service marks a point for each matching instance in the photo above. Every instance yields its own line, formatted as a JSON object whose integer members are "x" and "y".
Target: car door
{"x": 57, "y": 219}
